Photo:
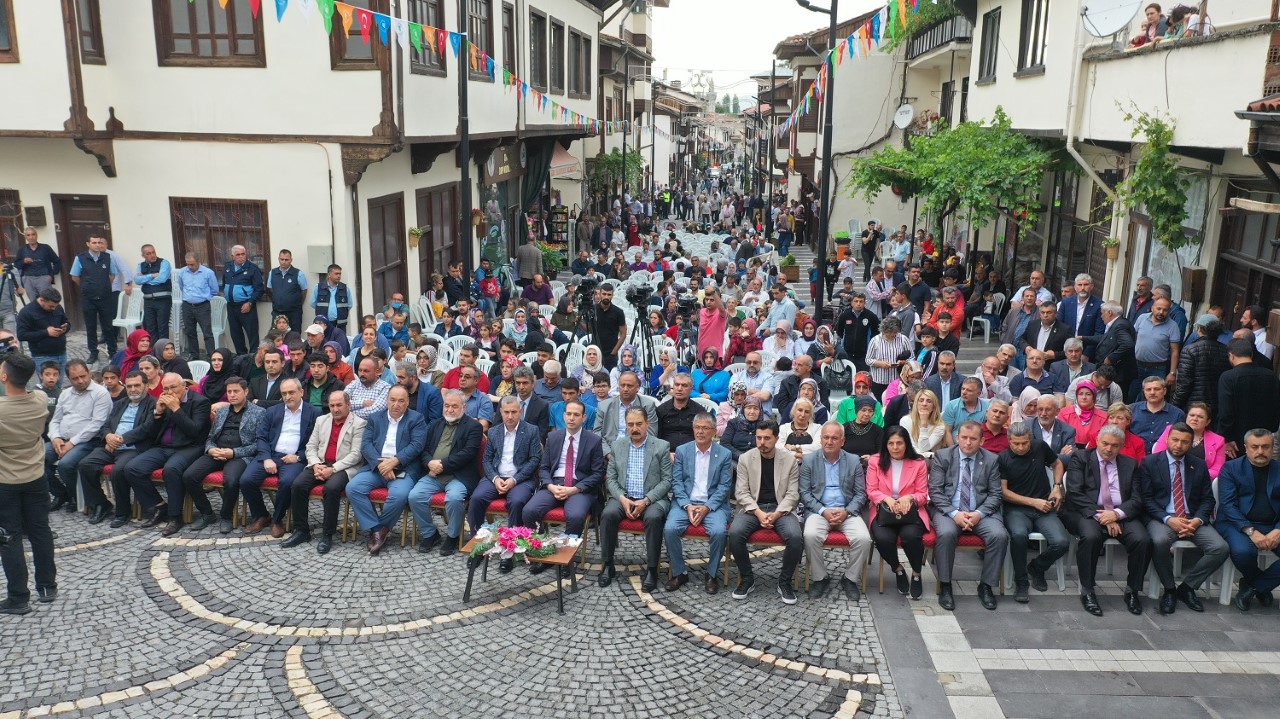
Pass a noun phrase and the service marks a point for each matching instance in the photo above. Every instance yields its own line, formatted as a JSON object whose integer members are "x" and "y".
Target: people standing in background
{"x": 37, "y": 263}
{"x": 242, "y": 285}
{"x": 197, "y": 285}
{"x": 288, "y": 287}
{"x": 155, "y": 278}
{"x": 95, "y": 271}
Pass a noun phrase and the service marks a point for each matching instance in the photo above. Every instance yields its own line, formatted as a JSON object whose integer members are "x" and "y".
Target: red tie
{"x": 568, "y": 464}
{"x": 1179, "y": 492}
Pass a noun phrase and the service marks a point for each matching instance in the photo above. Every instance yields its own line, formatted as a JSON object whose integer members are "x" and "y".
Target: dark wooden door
{"x": 387, "y": 267}
{"x": 76, "y": 218}
{"x": 437, "y": 213}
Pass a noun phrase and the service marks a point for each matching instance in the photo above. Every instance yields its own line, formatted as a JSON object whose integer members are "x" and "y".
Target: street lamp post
{"x": 824, "y": 198}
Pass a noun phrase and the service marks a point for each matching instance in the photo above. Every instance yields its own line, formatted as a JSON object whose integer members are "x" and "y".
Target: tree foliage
{"x": 980, "y": 171}
{"x": 608, "y": 171}
{"x": 736, "y": 105}
{"x": 926, "y": 14}
{"x": 1156, "y": 182}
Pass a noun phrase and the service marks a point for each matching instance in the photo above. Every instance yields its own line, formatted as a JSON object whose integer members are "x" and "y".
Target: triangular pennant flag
{"x": 902, "y": 13}
{"x": 347, "y": 13}
{"x": 402, "y": 31}
{"x": 326, "y": 13}
{"x": 365, "y": 18}
{"x": 471, "y": 50}
{"x": 456, "y": 41}
{"x": 281, "y": 6}
{"x": 384, "y": 28}
{"x": 306, "y": 6}
{"x": 442, "y": 38}
{"x": 223, "y": 3}
{"x": 255, "y": 6}
{"x": 489, "y": 66}
{"x": 415, "y": 36}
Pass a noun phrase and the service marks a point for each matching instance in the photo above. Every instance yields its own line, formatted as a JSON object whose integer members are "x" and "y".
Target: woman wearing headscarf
{"x": 338, "y": 367}
{"x": 709, "y": 380}
{"x": 823, "y": 349}
{"x": 519, "y": 328}
{"x": 664, "y": 373}
{"x": 911, "y": 371}
{"x": 740, "y": 431}
{"x": 628, "y": 361}
{"x": 779, "y": 341}
{"x": 167, "y": 353}
{"x": 809, "y": 390}
{"x": 334, "y": 334}
{"x": 1084, "y": 416}
{"x": 808, "y": 335}
{"x": 1024, "y": 408}
{"x": 862, "y": 436}
{"x": 591, "y": 364}
{"x": 564, "y": 318}
{"x": 731, "y": 407}
{"x": 847, "y": 408}
{"x": 743, "y": 341}
{"x": 214, "y": 385}
{"x": 427, "y": 371}
{"x": 507, "y": 384}
{"x": 136, "y": 346}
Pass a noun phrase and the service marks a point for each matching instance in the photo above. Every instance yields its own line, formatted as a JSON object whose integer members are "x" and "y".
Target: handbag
{"x": 889, "y": 518}
{"x": 839, "y": 377}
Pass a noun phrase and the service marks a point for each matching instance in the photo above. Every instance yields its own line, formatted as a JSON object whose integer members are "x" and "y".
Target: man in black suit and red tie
{"x": 1104, "y": 501}
{"x": 572, "y": 469}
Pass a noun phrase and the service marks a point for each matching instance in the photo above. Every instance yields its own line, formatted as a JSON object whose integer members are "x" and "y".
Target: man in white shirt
{"x": 1037, "y": 283}
{"x": 282, "y": 441}
{"x": 81, "y": 412}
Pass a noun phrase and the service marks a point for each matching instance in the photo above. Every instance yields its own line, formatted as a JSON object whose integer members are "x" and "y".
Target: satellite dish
{"x": 1104, "y": 18}
{"x": 904, "y": 116}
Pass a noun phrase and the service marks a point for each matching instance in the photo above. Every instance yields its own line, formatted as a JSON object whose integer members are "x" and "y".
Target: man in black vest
{"x": 155, "y": 277}
{"x": 242, "y": 285}
{"x": 94, "y": 271}
{"x": 288, "y": 288}
{"x": 332, "y": 298}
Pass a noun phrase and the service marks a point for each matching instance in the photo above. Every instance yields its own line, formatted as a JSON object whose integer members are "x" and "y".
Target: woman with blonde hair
{"x": 925, "y": 426}
{"x": 1121, "y": 416}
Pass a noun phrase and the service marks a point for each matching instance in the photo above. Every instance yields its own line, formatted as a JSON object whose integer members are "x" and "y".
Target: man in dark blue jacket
{"x": 511, "y": 460}
{"x": 242, "y": 285}
{"x": 282, "y": 441}
{"x": 392, "y": 450}
{"x": 449, "y": 459}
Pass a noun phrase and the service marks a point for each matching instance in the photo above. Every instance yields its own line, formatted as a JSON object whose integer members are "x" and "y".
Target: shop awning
{"x": 565, "y": 166}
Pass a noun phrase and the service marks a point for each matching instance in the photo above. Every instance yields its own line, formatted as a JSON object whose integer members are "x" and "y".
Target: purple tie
{"x": 568, "y": 464}
{"x": 1107, "y": 503}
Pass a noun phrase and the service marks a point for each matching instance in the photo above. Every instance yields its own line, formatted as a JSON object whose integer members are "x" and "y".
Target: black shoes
{"x": 47, "y": 594}
{"x": 1090, "y": 602}
{"x": 1189, "y": 598}
{"x": 538, "y": 567}
{"x": 650, "y": 581}
{"x": 986, "y": 596}
{"x": 171, "y": 528}
{"x": 818, "y": 588}
{"x": 1169, "y": 601}
{"x": 506, "y": 565}
{"x": 851, "y": 590}
{"x": 426, "y": 544}
{"x": 158, "y": 515}
{"x": 1133, "y": 601}
{"x": 58, "y": 503}
{"x": 1244, "y": 597}
{"x": 917, "y": 587}
{"x": 118, "y": 522}
{"x": 449, "y": 547}
{"x": 746, "y": 585}
{"x": 606, "y": 575}
{"x": 325, "y": 544}
{"x": 100, "y": 513}
{"x": 1036, "y": 575}
{"x": 786, "y": 592}
{"x": 224, "y": 526}
{"x": 203, "y": 522}
{"x": 298, "y": 537}
{"x": 677, "y": 581}
{"x": 945, "y": 598}
{"x": 903, "y": 582}
{"x": 1265, "y": 599}
{"x": 93, "y": 357}
{"x": 1020, "y": 592}
{"x": 9, "y": 606}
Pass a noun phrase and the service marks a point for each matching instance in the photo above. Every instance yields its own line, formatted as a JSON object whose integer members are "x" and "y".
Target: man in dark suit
{"x": 511, "y": 459}
{"x": 1082, "y": 314}
{"x": 1060, "y": 436}
{"x": 701, "y": 480}
{"x": 282, "y": 442}
{"x": 1249, "y": 516}
{"x": 1073, "y": 365}
{"x": 1177, "y": 495}
{"x": 900, "y": 406}
{"x": 180, "y": 423}
{"x": 1049, "y": 334}
{"x": 449, "y": 460}
{"x": 1240, "y": 390}
{"x": 1115, "y": 345}
{"x": 946, "y": 382}
{"x": 1104, "y": 500}
{"x": 638, "y": 489}
{"x": 570, "y": 475}
{"x": 119, "y": 441}
{"x": 533, "y": 409}
{"x": 394, "y": 464}
{"x": 264, "y": 390}
{"x": 965, "y": 496}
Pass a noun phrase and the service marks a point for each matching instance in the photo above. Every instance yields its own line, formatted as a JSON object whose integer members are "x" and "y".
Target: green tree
{"x": 608, "y": 170}
{"x": 737, "y": 106}
{"x": 980, "y": 171}
{"x": 1157, "y": 183}
{"x": 722, "y": 105}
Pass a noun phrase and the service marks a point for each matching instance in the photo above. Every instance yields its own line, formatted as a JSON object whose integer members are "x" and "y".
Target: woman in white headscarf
{"x": 591, "y": 364}
{"x": 779, "y": 341}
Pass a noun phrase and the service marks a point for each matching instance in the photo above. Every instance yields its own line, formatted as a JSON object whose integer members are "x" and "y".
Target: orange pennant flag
{"x": 348, "y": 15}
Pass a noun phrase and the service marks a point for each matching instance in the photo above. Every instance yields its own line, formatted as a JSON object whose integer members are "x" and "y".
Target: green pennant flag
{"x": 415, "y": 36}
{"x": 326, "y": 12}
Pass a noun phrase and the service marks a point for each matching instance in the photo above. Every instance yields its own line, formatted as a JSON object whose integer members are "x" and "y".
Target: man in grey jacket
{"x": 833, "y": 492}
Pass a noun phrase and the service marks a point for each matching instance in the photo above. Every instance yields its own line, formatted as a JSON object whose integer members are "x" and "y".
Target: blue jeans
{"x": 60, "y": 360}
{"x": 455, "y": 504}
{"x": 717, "y": 524}
{"x": 1020, "y": 521}
{"x": 1245, "y": 555}
{"x": 63, "y": 484}
{"x": 397, "y": 497}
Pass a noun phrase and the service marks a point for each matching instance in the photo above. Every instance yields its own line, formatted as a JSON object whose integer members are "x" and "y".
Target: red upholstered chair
{"x": 377, "y": 497}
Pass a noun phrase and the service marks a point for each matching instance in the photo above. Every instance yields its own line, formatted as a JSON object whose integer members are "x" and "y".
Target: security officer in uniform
{"x": 332, "y": 298}
{"x": 155, "y": 277}
{"x": 288, "y": 287}
{"x": 94, "y": 271}
{"x": 242, "y": 285}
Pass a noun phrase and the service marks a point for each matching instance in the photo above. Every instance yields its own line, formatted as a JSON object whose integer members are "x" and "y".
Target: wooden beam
{"x": 1268, "y": 208}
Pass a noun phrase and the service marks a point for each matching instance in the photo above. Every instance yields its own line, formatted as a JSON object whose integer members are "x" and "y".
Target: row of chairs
{"x": 129, "y": 310}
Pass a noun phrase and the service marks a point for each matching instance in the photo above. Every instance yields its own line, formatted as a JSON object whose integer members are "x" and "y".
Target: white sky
{"x": 733, "y": 38}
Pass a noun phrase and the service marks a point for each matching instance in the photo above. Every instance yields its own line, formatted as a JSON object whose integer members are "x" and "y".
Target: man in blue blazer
{"x": 945, "y": 376}
{"x": 569, "y": 476}
{"x": 282, "y": 442}
{"x": 449, "y": 462}
{"x": 511, "y": 460}
{"x": 1249, "y": 516}
{"x": 392, "y": 449}
{"x": 701, "y": 481}
{"x": 833, "y": 494}
{"x": 1082, "y": 314}
{"x": 1177, "y": 495}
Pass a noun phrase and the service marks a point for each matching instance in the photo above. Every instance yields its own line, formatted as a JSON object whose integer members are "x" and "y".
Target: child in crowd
{"x": 948, "y": 337}
{"x": 927, "y": 352}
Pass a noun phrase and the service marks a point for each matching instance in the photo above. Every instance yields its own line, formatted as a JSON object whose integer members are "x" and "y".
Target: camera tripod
{"x": 642, "y": 340}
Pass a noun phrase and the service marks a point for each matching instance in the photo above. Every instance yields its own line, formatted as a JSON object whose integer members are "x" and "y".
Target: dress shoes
{"x": 277, "y": 530}
{"x": 58, "y": 503}
{"x": 118, "y": 522}
{"x": 713, "y": 585}
{"x": 171, "y": 528}
{"x": 224, "y": 526}
{"x": 818, "y": 588}
{"x": 606, "y": 576}
{"x": 426, "y": 544}
{"x": 296, "y": 538}
{"x": 1089, "y": 600}
{"x": 851, "y": 590}
{"x": 1169, "y": 601}
{"x": 1245, "y": 596}
{"x": 917, "y": 587}
{"x": 677, "y": 581}
{"x": 539, "y": 568}
{"x": 1265, "y": 599}
{"x": 379, "y": 537}
{"x": 100, "y": 513}
{"x": 1133, "y": 601}
{"x": 903, "y": 582}
{"x": 157, "y": 516}
{"x": 325, "y": 544}
{"x": 946, "y": 599}
{"x": 1021, "y": 592}
{"x": 9, "y": 606}
{"x": 47, "y": 594}
{"x": 1036, "y": 575}
{"x": 93, "y": 357}
{"x": 449, "y": 546}
{"x": 986, "y": 596}
{"x": 506, "y": 565}
{"x": 258, "y": 525}
{"x": 70, "y": 507}
{"x": 203, "y": 522}
{"x": 650, "y": 581}
{"x": 1189, "y": 598}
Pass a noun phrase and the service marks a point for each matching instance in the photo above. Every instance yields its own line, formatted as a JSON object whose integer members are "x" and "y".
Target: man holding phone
{"x": 1030, "y": 503}
{"x": 43, "y": 326}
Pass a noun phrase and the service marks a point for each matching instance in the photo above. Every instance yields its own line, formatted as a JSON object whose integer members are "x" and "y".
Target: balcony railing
{"x": 932, "y": 37}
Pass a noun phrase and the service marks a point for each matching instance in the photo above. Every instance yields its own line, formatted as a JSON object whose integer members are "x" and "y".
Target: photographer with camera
{"x": 24, "y": 492}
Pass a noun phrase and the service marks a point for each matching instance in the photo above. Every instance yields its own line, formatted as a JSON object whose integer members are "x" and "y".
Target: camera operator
{"x": 24, "y": 492}
{"x": 611, "y": 326}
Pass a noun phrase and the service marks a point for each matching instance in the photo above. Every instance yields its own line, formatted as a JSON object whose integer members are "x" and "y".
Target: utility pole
{"x": 824, "y": 200}
{"x": 469, "y": 262}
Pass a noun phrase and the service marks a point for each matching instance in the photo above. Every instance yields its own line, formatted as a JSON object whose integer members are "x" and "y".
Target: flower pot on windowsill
{"x": 1113, "y": 252}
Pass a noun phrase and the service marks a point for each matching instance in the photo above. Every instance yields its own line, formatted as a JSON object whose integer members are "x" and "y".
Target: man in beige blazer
{"x": 638, "y": 484}
{"x": 767, "y": 494}
{"x": 334, "y": 457}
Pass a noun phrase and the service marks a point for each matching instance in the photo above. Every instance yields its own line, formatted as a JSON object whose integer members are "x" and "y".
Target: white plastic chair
{"x": 768, "y": 359}
{"x": 735, "y": 368}
{"x": 545, "y": 310}
{"x": 574, "y": 355}
{"x": 218, "y": 318}
{"x": 199, "y": 368}
{"x": 529, "y": 359}
{"x": 484, "y": 365}
{"x": 998, "y": 304}
{"x": 457, "y": 343}
{"x": 129, "y": 311}
{"x": 707, "y": 404}
{"x": 557, "y": 285}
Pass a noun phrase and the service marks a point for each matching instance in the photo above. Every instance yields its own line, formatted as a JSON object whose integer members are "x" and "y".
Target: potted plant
{"x": 552, "y": 258}
{"x": 1112, "y": 246}
{"x": 790, "y": 267}
{"x": 415, "y": 236}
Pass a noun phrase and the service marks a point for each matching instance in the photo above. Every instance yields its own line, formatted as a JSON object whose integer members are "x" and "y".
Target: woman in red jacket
{"x": 898, "y": 499}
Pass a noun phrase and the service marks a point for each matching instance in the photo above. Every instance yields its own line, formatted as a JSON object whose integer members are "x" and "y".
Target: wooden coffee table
{"x": 565, "y": 557}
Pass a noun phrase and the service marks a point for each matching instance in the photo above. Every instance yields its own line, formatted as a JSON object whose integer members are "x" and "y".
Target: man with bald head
{"x": 282, "y": 442}
{"x": 180, "y": 427}
{"x": 392, "y": 449}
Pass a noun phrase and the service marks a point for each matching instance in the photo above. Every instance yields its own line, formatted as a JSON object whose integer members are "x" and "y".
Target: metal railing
{"x": 934, "y": 36}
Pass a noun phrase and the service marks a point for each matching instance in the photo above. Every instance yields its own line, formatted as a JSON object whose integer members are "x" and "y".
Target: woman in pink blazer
{"x": 899, "y": 480}
{"x": 1209, "y": 445}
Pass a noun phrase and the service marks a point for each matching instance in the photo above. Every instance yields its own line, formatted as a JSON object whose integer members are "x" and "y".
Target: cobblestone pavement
{"x": 226, "y": 626}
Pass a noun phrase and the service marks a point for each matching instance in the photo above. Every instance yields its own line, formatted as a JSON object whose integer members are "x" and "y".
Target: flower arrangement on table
{"x": 509, "y": 542}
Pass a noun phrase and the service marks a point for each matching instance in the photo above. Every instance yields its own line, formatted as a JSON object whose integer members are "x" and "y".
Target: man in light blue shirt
{"x": 783, "y": 309}
{"x": 198, "y": 285}
{"x": 759, "y": 381}
{"x": 968, "y": 407}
